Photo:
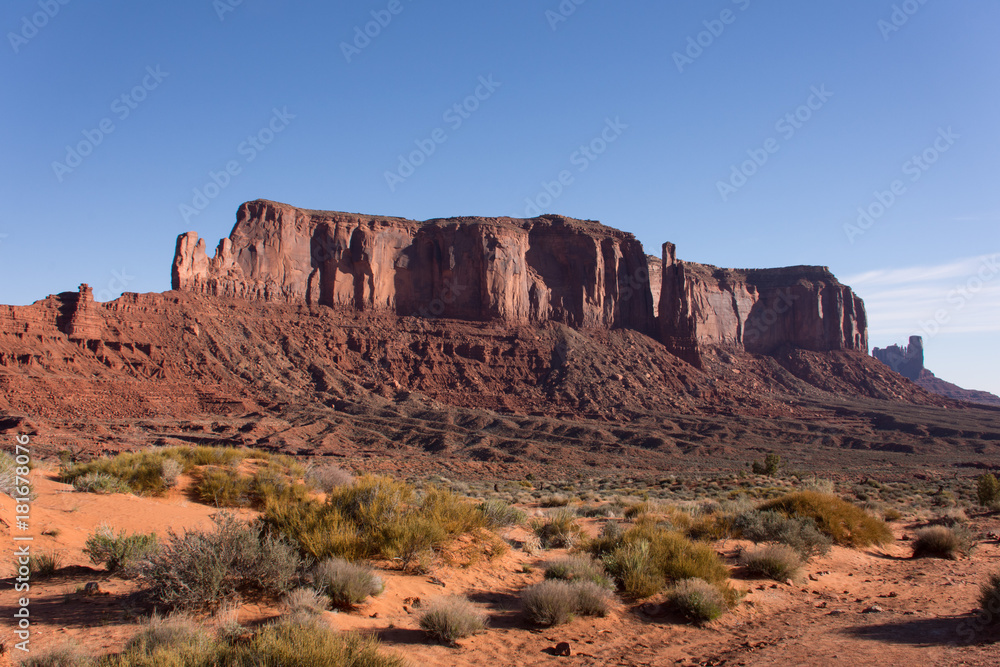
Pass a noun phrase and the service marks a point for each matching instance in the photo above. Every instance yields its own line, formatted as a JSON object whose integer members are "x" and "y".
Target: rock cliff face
{"x": 756, "y": 310}
{"x": 551, "y": 268}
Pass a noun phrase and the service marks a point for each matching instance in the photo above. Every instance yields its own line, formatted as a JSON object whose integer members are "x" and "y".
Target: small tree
{"x": 987, "y": 489}
{"x": 769, "y": 466}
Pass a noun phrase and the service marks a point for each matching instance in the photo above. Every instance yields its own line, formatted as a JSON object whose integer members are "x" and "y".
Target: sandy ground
{"x": 828, "y": 617}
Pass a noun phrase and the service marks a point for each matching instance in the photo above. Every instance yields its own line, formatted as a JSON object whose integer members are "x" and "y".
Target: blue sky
{"x": 748, "y": 133}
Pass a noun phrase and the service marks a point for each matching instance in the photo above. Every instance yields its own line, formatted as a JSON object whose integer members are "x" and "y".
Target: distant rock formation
{"x": 551, "y": 268}
{"x": 909, "y": 362}
{"x": 756, "y": 310}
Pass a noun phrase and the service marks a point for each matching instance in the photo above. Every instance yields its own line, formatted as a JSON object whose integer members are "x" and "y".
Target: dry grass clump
{"x": 647, "y": 556}
{"x": 205, "y": 569}
{"x": 501, "y": 514}
{"x": 698, "y": 600}
{"x": 989, "y": 597}
{"x": 305, "y": 603}
{"x": 100, "y": 482}
{"x": 326, "y": 478}
{"x": 374, "y": 516}
{"x": 178, "y": 642}
{"x": 775, "y": 561}
{"x": 45, "y": 564}
{"x": 346, "y": 584}
{"x": 558, "y": 530}
{"x": 800, "y": 533}
{"x": 119, "y": 553}
{"x": 452, "y": 618}
{"x": 554, "y": 602}
{"x": 848, "y": 525}
{"x": 579, "y": 568}
{"x": 67, "y": 655}
{"x": 942, "y": 542}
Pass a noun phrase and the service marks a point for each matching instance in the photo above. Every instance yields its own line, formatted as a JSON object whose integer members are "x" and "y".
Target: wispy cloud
{"x": 960, "y": 296}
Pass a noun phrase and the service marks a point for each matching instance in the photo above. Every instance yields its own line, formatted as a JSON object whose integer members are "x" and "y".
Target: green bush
{"x": 119, "y": 553}
{"x": 769, "y": 466}
{"x": 204, "y": 569}
{"x": 346, "y": 584}
{"x": 450, "y": 619}
{"x": 644, "y": 558}
{"x": 374, "y": 516}
{"x": 222, "y": 488}
{"x": 942, "y": 542}
{"x": 800, "y": 533}
{"x": 987, "y": 489}
{"x": 848, "y": 525}
{"x": 698, "y": 600}
{"x": 775, "y": 561}
{"x": 578, "y": 568}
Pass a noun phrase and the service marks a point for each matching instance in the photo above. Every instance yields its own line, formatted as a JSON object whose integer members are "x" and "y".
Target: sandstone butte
{"x": 547, "y": 269}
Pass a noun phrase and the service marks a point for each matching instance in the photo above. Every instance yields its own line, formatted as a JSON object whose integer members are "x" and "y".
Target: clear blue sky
{"x": 609, "y": 68}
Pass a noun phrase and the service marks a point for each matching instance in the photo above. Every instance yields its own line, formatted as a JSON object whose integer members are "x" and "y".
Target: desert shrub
{"x": 892, "y": 514}
{"x": 140, "y": 472}
{"x": 119, "y": 553}
{"x": 501, "y": 514}
{"x": 578, "y": 568}
{"x": 374, "y": 516}
{"x": 557, "y": 530}
{"x": 800, "y": 533}
{"x": 989, "y": 597}
{"x": 44, "y": 564}
{"x": 8, "y": 474}
{"x": 346, "y": 584}
{"x": 592, "y": 599}
{"x": 304, "y": 603}
{"x": 847, "y": 524}
{"x": 326, "y": 478}
{"x": 942, "y": 542}
{"x": 171, "y": 468}
{"x": 222, "y": 488}
{"x": 698, "y": 600}
{"x": 554, "y": 602}
{"x": 987, "y": 489}
{"x": 769, "y": 466}
{"x": 645, "y": 557}
{"x": 274, "y": 485}
{"x": 100, "y": 482}
{"x": 775, "y": 561}
{"x": 309, "y": 645}
{"x": 452, "y": 618}
{"x": 67, "y": 655}
{"x": 202, "y": 569}
{"x": 549, "y": 603}
{"x": 554, "y": 500}
{"x": 300, "y": 643}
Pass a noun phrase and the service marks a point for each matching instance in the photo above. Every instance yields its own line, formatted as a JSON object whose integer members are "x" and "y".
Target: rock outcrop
{"x": 756, "y": 310}
{"x": 551, "y": 268}
{"x": 907, "y": 361}
{"x": 545, "y": 269}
